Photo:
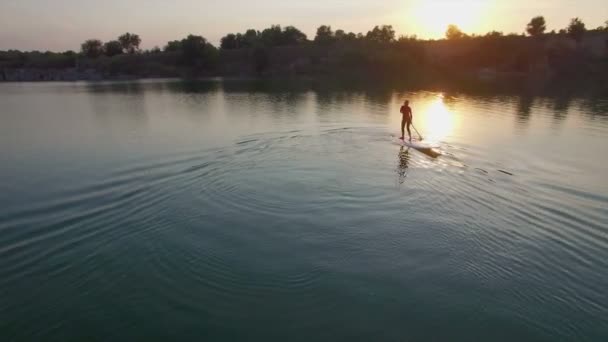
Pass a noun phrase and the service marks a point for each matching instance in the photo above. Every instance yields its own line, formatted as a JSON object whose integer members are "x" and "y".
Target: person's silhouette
{"x": 406, "y": 119}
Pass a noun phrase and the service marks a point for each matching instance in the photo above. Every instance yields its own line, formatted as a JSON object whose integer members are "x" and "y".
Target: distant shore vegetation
{"x": 574, "y": 51}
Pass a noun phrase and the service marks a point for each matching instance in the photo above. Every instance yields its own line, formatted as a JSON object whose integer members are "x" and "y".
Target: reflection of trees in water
{"x": 560, "y": 106}
{"x": 122, "y": 101}
{"x": 328, "y": 98}
{"x": 281, "y": 96}
{"x": 126, "y": 100}
{"x": 264, "y": 86}
{"x": 524, "y": 108}
{"x": 595, "y": 107}
{"x": 198, "y": 99}
{"x": 503, "y": 100}
{"x": 286, "y": 102}
{"x": 403, "y": 164}
{"x": 133, "y": 88}
{"x": 326, "y": 101}
{"x": 377, "y": 93}
{"x": 561, "y": 102}
{"x": 339, "y": 97}
{"x": 193, "y": 87}
{"x": 378, "y": 96}
{"x": 264, "y": 97}
{"x": 400, "y": 95}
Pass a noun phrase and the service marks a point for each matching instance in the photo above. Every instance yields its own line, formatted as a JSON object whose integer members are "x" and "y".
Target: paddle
{"x": 419, "y": 136}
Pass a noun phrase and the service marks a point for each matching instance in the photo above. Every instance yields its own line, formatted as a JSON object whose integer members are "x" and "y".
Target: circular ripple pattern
{"x": 325, "y": 233}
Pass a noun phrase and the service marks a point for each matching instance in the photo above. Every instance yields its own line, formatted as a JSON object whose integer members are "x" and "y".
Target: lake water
{"x": 253, "y": 211}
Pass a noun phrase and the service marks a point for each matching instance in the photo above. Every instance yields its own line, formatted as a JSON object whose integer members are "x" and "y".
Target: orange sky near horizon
{"x": 64, "y": 24}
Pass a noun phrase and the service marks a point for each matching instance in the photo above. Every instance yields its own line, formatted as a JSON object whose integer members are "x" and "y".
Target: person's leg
{"x": 402, "y": 129}
{"x": 409, "y": 123}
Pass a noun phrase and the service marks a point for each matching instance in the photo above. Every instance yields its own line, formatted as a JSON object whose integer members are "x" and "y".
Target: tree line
{"x": 537, "y": 27}
{"x": 194, "y": 47}
{"x": 126, "y": 43}
{"x": 377, "y": 49}
{"x": 197, "y": 46}
{"x": 275, "y": 36}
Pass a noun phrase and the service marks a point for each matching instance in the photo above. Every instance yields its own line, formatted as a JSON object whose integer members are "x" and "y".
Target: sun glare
{"x": 438, "y": 122}
{"x": 432, "y": 17}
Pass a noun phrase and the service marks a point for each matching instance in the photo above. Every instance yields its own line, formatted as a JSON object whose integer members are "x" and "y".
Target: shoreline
{"x": 508, "y": 86}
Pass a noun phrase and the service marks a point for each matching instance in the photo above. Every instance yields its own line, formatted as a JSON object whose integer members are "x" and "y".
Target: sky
{"x": 60, "y": 25}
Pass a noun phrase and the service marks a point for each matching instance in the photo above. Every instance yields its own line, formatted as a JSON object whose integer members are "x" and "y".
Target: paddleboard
{"x": 419, "y": 145}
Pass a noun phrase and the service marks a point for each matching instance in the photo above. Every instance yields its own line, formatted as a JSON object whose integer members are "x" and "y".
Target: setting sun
{"x": 432, "y": 17}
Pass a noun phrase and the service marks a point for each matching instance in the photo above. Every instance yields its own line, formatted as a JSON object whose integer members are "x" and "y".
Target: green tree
{"x": 197, "y": 52}
{"x": 173, "y": 46}
{"x": 577, "y": 29}
{"x": 112, "y": 48}
{"x": 229, "y": 42}
{"x": 340, "y": 35}
{"x": 292, "y": 36}
{"x": 250, "y": 38}
{"x": 454, "y": 32}
{"x": 407, "y": 39}
{"x": 272, "y": 36}
{"x": 92, "y": 48}
{"x": 384, "y": 34}
{"x": 276, "y": 36}
{"x": 350, "y": 36}
{"x": 537, "y": 26}
{"x": 324, "y": 35}
{"x": 130, "y": 42}
{"x": 494, "y": 34}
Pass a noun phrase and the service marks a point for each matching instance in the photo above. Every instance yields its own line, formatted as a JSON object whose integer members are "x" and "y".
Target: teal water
{"x": 253, "y": 211}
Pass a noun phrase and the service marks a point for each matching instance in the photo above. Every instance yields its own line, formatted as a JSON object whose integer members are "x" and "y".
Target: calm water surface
{"x": 233, "y": 211}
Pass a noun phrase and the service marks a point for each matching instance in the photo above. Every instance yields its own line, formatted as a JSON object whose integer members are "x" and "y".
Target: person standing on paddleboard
{"x": 406, "y": 111}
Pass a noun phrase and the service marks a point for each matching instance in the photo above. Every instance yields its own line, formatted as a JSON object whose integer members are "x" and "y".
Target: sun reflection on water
{"x": 436, "y": 120}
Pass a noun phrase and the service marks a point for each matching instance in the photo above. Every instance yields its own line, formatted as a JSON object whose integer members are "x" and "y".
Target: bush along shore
{"x": 574, "y": 55}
